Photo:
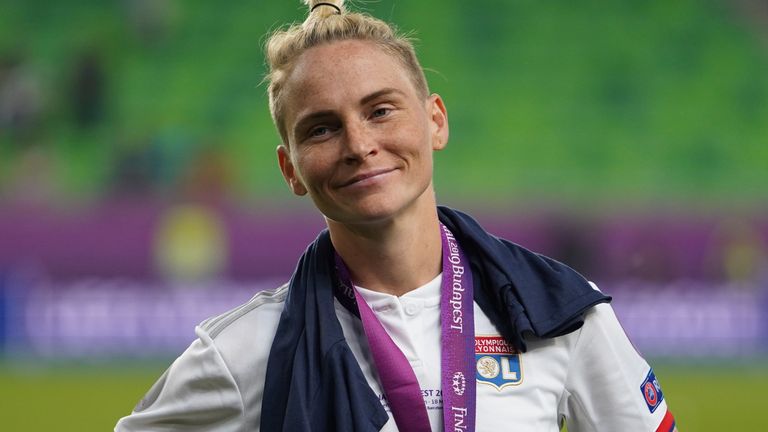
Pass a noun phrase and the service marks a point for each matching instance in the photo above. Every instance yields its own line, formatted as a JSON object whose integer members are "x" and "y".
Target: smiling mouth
{"x": 365, "y": 176}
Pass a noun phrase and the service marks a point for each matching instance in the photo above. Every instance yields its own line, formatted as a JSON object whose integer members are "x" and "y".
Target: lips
{"x": 366, "y": 175}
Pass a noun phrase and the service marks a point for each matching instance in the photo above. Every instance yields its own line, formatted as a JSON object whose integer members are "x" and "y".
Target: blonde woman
{"x": 402, "y": 315}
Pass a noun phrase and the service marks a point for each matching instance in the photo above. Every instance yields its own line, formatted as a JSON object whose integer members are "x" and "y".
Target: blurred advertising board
{"x": 125, "y": 319}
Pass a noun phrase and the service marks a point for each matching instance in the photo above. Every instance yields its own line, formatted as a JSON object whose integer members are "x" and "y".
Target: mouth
{"x": 369, "y": 175}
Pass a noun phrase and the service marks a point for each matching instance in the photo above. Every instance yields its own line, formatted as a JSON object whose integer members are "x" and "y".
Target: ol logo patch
{"x": 498, "y": 364}
{"x": 652, "y": 391}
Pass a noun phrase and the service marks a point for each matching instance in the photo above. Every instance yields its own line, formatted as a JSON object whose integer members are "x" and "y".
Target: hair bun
{"x": 337, "y": 6}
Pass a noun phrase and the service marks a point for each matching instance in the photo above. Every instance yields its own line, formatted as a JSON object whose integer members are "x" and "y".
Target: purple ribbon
{"x": 457, "y": 338}
{"x": 400, "y": 385}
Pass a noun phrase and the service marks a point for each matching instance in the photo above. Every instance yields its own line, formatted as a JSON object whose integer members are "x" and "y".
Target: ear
{"x": 438, "y": 116}
{"x": 289, "y": 171}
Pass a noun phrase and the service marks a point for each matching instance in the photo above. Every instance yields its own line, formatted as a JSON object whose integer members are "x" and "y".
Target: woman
{"x": 402, "y": 315}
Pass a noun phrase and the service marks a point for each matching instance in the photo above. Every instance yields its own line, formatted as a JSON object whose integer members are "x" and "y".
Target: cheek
{"x": 411, "y": 137}
{"x": 419, "y": 134}
{"x": 419, "y": 145}
{"x": 311, "y": 170}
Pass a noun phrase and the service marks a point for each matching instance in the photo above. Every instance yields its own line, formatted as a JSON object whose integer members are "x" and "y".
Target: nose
{"x": 359, "y": 142}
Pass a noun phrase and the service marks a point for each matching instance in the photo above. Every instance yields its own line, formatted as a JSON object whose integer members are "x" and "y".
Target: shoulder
{"x": 601, "y": 327}
{"x": 243, "y": 338}
{"x": 219, "y": 380}
{"x": 601, "y": 323}
{"x": 265, "y": 306}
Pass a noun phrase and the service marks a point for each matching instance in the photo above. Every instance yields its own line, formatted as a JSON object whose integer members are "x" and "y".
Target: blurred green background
{"x": 590, "y": 102}
{"x": 590, "y": 106}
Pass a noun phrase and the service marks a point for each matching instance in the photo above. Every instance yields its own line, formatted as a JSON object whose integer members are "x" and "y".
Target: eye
{"x": 319, "y": 131}
{"x": 380, "y": 112}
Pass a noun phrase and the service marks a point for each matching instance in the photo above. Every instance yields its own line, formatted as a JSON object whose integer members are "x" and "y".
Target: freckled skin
{"x": 360, "y": 137}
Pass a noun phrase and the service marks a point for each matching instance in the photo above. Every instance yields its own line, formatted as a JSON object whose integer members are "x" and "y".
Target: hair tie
{"x": 338, "y": 10}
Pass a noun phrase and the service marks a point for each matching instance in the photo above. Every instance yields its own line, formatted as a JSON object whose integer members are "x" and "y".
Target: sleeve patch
{"x": 651, "y": 391}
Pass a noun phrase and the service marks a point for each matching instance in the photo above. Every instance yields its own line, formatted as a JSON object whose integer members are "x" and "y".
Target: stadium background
{"x": 139, "y": 192}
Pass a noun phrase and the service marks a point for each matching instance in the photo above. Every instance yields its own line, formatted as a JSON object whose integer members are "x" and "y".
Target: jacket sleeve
{"x": 196, "y": 393}
{"x": 610, "y": 387}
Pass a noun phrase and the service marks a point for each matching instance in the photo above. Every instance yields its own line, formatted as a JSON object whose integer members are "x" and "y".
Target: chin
{"x": 363, "y": 216}
{"x": 377, "y": 211}
{"x": 362, "y": 212}
{"x": 378, "y": 207}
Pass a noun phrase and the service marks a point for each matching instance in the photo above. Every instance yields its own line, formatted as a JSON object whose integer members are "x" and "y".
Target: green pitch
{"x": 703, "y": 398}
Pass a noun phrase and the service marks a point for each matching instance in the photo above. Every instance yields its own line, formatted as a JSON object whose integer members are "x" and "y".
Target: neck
{"x": 395, "y": 256}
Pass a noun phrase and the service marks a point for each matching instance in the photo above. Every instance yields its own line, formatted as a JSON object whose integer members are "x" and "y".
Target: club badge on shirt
{"x": 498, "y": 364}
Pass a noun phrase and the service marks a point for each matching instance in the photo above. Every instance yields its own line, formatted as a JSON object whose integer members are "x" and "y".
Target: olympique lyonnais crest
{"x": 498, "y": 364}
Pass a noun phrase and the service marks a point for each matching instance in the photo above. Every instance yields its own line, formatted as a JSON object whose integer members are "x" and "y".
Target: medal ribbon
{"x": 400, "y": 385}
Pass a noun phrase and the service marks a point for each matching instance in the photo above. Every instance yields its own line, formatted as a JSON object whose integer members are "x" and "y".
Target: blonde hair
{"x": 326, "y": 24}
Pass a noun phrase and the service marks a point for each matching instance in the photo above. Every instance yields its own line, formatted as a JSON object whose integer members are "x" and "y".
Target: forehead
{"x": 331, "y": 74}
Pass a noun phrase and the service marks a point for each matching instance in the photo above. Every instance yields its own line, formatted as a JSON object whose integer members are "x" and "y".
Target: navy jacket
{"x": 313, "y": 381}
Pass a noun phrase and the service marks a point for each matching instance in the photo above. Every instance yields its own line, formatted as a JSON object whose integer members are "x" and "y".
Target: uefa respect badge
{"x": 498, "y": 364}
{"x": 652, "y": 391}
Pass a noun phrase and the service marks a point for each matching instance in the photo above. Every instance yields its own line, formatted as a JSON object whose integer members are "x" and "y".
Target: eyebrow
{"x": 327, "y": 113}
{"x": 312, "y": 116}
{"x": 379, "y": 93}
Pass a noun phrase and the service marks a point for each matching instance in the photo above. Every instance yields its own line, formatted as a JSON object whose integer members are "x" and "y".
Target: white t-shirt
{"x": 592, "y": 378}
